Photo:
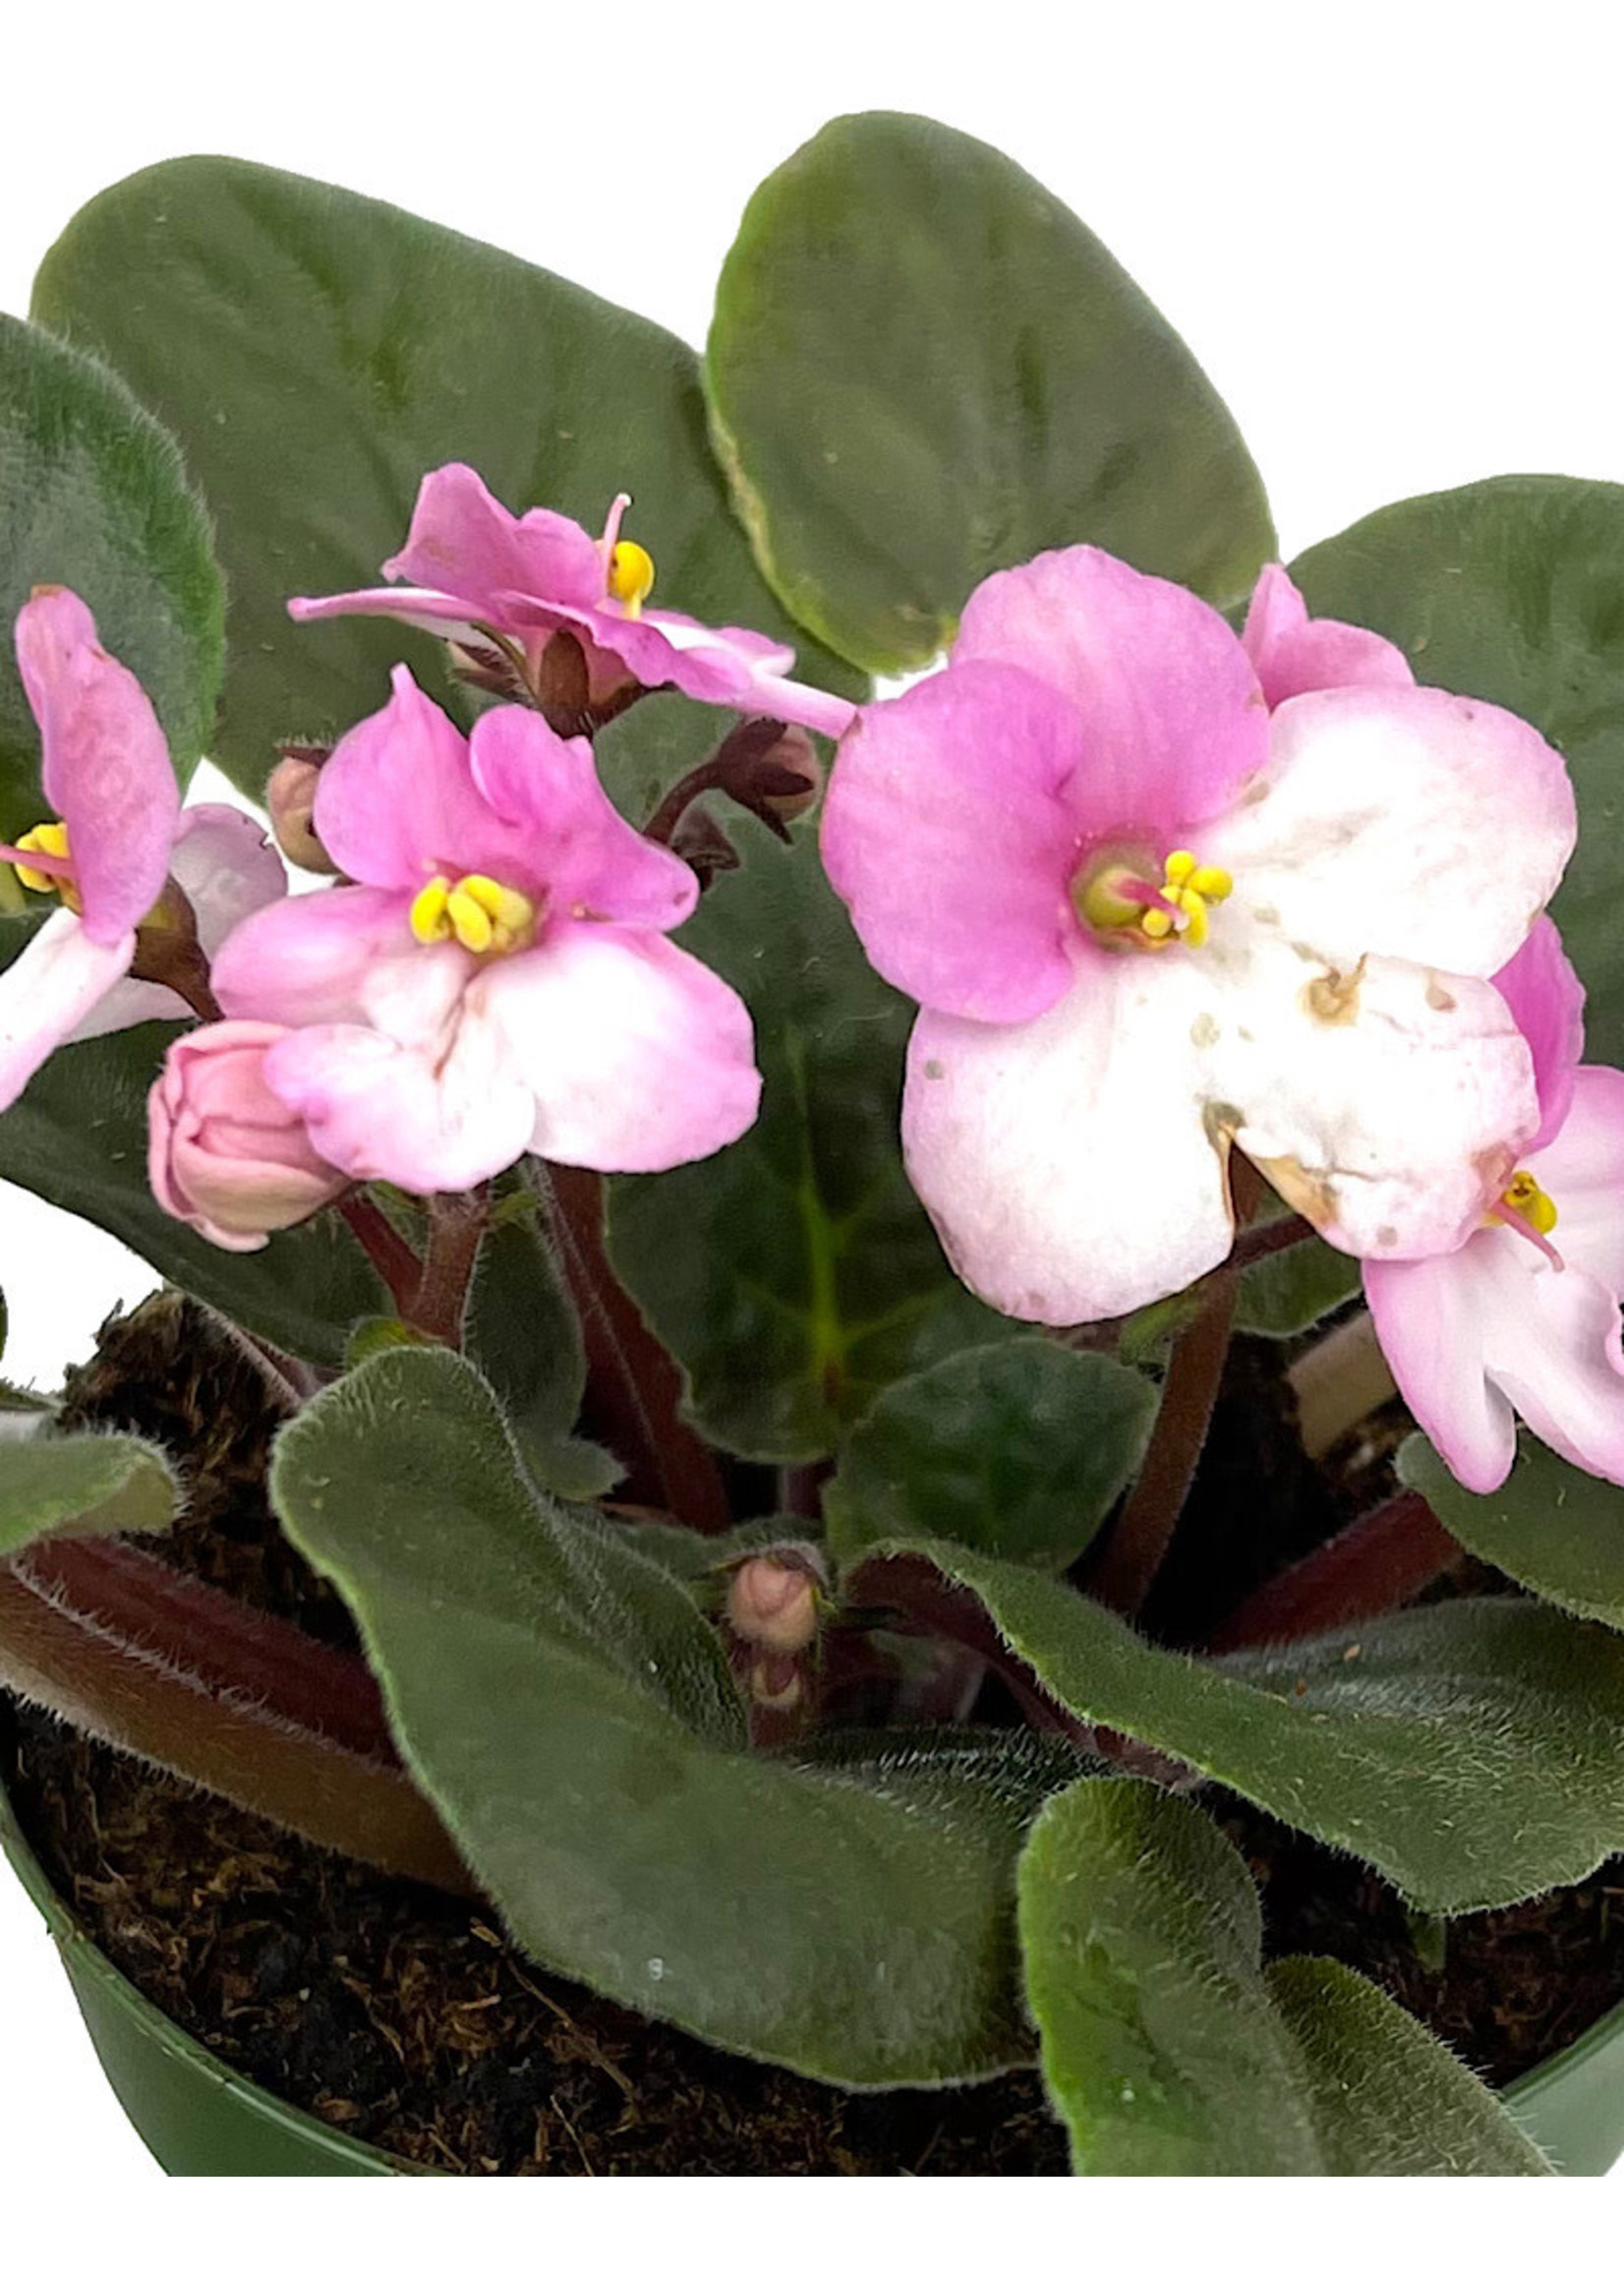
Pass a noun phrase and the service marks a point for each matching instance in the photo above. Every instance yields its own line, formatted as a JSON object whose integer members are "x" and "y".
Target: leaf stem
{"x": 634, "y": 1380}
{"x": 246, "y": 1706}
{"x": 1142, "y": 1533}
{"x": 1379, "y": 1562}
{"x": 1256, "y": 1241}
{"x": 438, "y": 1302}
{"x": 394, "y": 1260}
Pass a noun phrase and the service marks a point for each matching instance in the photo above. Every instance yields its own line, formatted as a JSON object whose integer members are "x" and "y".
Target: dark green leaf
{"x": 1170, "y": 2050}
{"x": 571, "y": 1714}
{"x": 1469, "y": 1751}
{"x": 78, "y": 1138}
{"x": 526, "y": 1339}
{"x": 1514, "y": 590}
{"x": 795, "y": 1274}
{"x": 923, "y": 367}
{"x": 1553, "y": 1528}
{"x": 318, "y": 353}
{"x": 93, "y": 496}
{"x": 1020, "y": 1448}
{"x": 1285, "y": 1293}
{"x": 81, "y": 1485}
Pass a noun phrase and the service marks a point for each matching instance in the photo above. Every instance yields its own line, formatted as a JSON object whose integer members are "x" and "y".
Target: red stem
{"x": 1260, "y": 1240}
{"x": 1380, "y": 1561}
{"x": 166, "y": 1668}
{"x": 397, "y": 1262}
{"x": 634, "y": 1380}
{"x": 438, "y": 1302}
{"x": 933, "y": 1605}
{"x": 1143, "y": 1532}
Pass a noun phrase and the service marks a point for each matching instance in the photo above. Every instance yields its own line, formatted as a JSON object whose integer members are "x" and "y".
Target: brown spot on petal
{"x": 1438, "y": 997}
{"x": 1387, "y": 1235}
{"x": 934, "y": 1069}
{"x": 1203, "y": 1031}
{"x": 1307, "y": 1191}
{"x": 1333, "y": 998}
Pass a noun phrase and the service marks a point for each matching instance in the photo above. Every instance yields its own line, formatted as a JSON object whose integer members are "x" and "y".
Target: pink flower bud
{"x": 224, "y": 1155}
{"x": 290, "y": 801}
{"x": 774, "y": 1604}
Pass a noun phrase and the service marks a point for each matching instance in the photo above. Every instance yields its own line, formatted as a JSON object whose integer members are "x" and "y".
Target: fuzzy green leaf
{"x": 1020, "y": 1448}
{"x": 317, "y": 353}
{"x": 1468, "y": 1750}
{"x": 923, "y": 367}
{"x": 1170, "y": 2050}
{"x": 1556, "y": 1531}
{"x": 570, "y": 1712}
{"x": 93, "y": 495}
{"x": 81, "y": 1485}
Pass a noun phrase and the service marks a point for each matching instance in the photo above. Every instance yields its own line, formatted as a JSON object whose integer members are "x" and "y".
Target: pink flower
{"x": 224, "y": 1154}
{"x": 1293, "y": 653}
{"x": 469, "y": 568}
{"x": 1524, "y": 1319}
{"x": 1146, "y": 919}
{"x": 121, "y": 836}
{"x": 494, "y": 982}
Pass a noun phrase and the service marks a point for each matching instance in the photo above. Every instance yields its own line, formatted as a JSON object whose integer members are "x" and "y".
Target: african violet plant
{"x": 746, "y": 1382}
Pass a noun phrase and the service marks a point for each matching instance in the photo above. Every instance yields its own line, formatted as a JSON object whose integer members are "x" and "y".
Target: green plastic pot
{"x": 203, "y": 2121}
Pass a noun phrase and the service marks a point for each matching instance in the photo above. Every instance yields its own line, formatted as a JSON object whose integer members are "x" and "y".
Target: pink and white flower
{"x": 224, "y": 1154}
{"x": 1147, "y": 918}
{"x": 1524, "y": 1319}
{"x": 495, "y": 980}
{"x": 469, "y": 567}
{"x": 120, "y": 838}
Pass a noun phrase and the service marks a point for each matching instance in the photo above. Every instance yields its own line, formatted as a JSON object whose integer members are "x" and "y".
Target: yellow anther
{"x": 1195, "y": 912}
{"x": 630, "y": 576}
{"x": 484, "y": 916}
{"x": 1213, "y": 884}
{"x": 1179, "y": 867}
{"x": 1526, "y": 1198}
{"x": 1156, "y": 923}
{"x": 48, "y": 837}
{"x": 431, "y": 920}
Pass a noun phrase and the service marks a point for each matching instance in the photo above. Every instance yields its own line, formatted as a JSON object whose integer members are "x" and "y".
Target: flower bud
{"x": 790, "y": 778}
{"x": 224, "y": 1155}
{"x": 290, "y": 801}
{"x": 774, "y": 1604}
{"x": 777, "y": 1684}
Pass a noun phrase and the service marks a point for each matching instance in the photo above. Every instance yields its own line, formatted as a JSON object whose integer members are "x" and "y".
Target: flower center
{"x": 49, "y": 839}
{"x": 1128, "y": 911}
{"x": 1527, "y": 1209}
{"x": 630, "y": 576}
{"x": 484, "y": 916}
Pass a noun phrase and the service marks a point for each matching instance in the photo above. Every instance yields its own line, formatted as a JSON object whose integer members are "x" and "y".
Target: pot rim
{"x": 67, "y": 1933}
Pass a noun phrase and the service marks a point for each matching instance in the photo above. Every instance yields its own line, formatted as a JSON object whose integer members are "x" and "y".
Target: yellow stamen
{"x": 1179, "y": 867}
{"x": 47, "y": 837}
{"x": 484, "y": 916}
{"x": 630, "y": 577}
{"x": 1526, "y": 1198}
{"x": 1156, "y": 923}
{"x": 1114, "y": 900}
{"x": 430, "y": 920}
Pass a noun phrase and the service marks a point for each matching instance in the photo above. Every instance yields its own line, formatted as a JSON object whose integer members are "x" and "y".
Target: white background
{"x": 1391, "y": 234}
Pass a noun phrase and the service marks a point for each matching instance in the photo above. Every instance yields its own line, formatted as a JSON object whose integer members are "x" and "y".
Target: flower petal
{"x": 227, "y": 867}
{"x": 106, "y": 768}
{"x": 1556, "y": 1354}
{"x": 1293, "y": 653}
{"x": 377, "y": 1108}
{"x": 1542, "y": 990}
{"x": 444, "y": 614}
{"x": 1065, "y": 1162}
{"x": 594, "y": 862}
{"x": 464, "y": 541}
{"x": 1429, "y": 1317}
{"x": 1390, "y": 1107}
{"x": 1400, "y": 821}
{"x": 636, "y": 1054}
{"x": 316, "y": 960}
{"x": 396, "y": 803}
{"x": 947, "y": 833}
{"x": 47, "y": 991}
{"x": 1171, "y": 719}
{"x": 1582, "y": 1171}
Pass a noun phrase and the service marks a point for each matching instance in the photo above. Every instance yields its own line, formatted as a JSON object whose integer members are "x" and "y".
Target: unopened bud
{"x": 777, "y": 1684}
{"x": 700, "y": 840}
{"x": 771, "y": 770}
{"x": 290, "y": 801}
{"x": 789, "y": 778}
{"x": 774, "y": 1604}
